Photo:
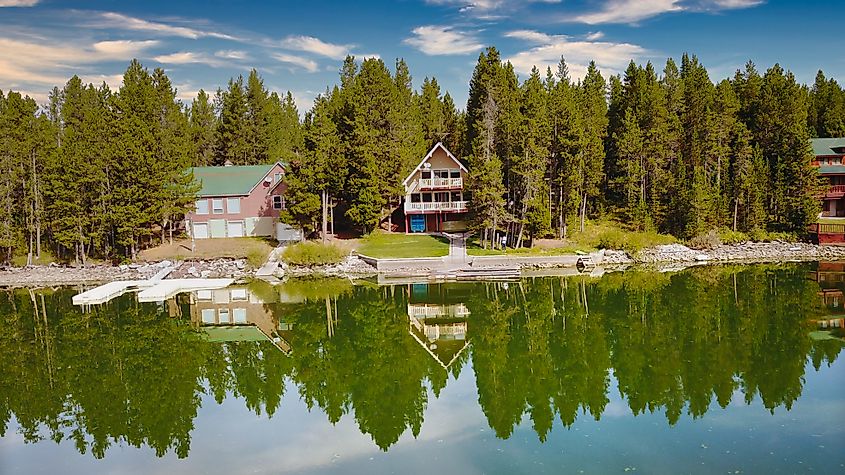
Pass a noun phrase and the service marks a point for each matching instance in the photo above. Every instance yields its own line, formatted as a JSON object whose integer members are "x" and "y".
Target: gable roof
{"x": 825, "y": 146}
{"x": 234, "y": 180}
{"x": 428, "y": 155}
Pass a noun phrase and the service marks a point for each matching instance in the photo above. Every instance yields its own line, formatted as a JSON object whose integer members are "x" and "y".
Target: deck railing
{"x": 441, "y": 182}
{"x": 428, "y": 310}
{"x": 437, "y": 206}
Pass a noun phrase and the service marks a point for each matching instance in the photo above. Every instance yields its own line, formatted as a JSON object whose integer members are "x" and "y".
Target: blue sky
{"x": 299, "y": 46}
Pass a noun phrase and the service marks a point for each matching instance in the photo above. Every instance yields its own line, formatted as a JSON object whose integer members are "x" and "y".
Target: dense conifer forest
{"x": 97, "y": 172}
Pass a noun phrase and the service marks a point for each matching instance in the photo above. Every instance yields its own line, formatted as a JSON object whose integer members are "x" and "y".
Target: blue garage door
{"x": 417, "y": 223}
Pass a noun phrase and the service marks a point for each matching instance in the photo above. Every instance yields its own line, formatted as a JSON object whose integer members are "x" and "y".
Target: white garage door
{"x": 200, "y": 230}
{"x": 235, "y": 229}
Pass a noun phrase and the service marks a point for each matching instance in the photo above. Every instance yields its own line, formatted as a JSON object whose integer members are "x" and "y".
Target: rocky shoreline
{"x": 671, "y": 254}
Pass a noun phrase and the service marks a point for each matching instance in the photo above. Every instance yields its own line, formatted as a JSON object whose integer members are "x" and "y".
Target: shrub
{"x": 761, "y": 235}
{"x": 729, "y": 236}
{"x": 708, "y": 240}
{"x": 631, "y": 241}
{"x": 311, "y": 254}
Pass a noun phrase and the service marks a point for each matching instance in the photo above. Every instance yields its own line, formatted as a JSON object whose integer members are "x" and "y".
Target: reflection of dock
{"x": 431, "y": 310}
{"x": 235, "y": 314}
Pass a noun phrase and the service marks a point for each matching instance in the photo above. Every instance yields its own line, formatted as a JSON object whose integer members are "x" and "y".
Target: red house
{"x": 239, "y": 201}
{"x": 830, "y": 161}
{"x": 434, "y": 194}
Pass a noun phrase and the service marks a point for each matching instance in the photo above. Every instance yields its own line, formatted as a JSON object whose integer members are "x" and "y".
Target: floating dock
{"x": 152, "y": 290}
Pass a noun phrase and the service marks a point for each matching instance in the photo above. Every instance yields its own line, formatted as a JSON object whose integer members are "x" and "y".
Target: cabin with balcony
{"x": 830, "y": 162}
{"x": 435, "y": 200}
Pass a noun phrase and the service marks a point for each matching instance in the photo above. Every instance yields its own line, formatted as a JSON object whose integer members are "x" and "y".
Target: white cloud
{"x": 123, "y": 49}
{"x": 609, "y": 57}
{"x": 232, "y": 54}
{"x": 189, "y": 57}
{"x": 734, "y": 4}
{"x": 633, "y": 11}
{"x": 487, "y": 9}
{"x": 304, "y": 63}
{"x": 310, "y": 44}
{"x": 596, "y": 35}
{"x": 25, "y": 63}
{"x": 18, "y": 3}
{"x": 629, "y": 11}
{"x": 442, "y": 40}
{"x": 125, "y": 22}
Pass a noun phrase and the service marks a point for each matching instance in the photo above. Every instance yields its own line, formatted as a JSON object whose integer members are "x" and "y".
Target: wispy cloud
{"x": 232, "y": 54}
{"x": 190, "y": 57}
{"x": 25, "y": 63}
{"x": 488, "y": 9}
{"x": 548, "y": 49}
{"x": 629, "y": 11}
{"x": 443, "y": 40}
{"x": 125, "y": 22}
{"x": 304, "y": 63}
{"x": 633, "y": 11}
{"x": 310, "y": 44}
{"x": 18, "y": 3}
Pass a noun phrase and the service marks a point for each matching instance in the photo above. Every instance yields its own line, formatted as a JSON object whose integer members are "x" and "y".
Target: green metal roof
{"x": 825, "y": 146}
{"x": 234, "y": 333}
{"x": 231, "y": 180}
{"x": 831, "y": 169}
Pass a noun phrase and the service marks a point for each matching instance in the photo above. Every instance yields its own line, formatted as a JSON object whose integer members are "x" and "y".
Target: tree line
{"x": 103, "y": 173}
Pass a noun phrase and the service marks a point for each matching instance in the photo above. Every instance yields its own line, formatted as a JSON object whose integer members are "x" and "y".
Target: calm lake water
{"x": 709, "y": 370}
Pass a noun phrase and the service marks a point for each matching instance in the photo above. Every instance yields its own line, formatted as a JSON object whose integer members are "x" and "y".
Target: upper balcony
{"x": 455, "y": 206}
{"x": 834, "y": 192}
{"x": 441, "y": 183}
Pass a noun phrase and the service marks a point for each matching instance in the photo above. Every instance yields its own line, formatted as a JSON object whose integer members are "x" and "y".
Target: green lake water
{"x": 707, "y": 370}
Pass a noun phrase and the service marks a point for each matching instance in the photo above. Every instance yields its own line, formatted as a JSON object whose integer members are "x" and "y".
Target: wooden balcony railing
{"x": 441, "y": 182}
{"x": 445, "y": 206}
{"x": 836, "y": 189}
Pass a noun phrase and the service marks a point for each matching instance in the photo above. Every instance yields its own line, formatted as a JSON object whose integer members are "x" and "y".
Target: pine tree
{"x": 203, "y": 123}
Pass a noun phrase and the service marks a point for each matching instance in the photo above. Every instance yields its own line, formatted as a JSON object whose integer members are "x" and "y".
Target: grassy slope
{"x": 388, "y": 245}
{"x": 255, "y": 250}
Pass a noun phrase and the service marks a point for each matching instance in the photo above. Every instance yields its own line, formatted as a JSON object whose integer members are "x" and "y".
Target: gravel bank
{"x": 744, "y": 252}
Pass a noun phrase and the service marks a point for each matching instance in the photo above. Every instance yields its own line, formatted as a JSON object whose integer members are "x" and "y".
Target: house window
{"x": 208, "y": 315}
{"x": 217, "y": 205}
{"x": 233, "y": 205}
{"x": 239, "y": 294}
{"x": 441, "y": 173}
{"x": 455, "y": 173}
{"x": 415, "y": 198}
{"x": 277, "y": 177}
{"x": 239, "y": 315}
{"x": 278, "y": 202}
{"x": 202, "y": 206}
{"x": 425, "y": 174}
{"x": 223, "y": 315}
{"x": 426, "y": 197}
{"x": 456, "y": 196}
{"x": 203, "y": 295}
{"x": 441, "y": 197}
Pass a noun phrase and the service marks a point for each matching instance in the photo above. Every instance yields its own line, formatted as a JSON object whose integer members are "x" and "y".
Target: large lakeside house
{"x": 435, "y": 200}
{"x": 240, "y": 201}
{"x": 830, "y": 162}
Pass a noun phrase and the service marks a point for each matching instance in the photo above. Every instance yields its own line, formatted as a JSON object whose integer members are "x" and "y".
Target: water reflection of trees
{"x": 546, "y": 349}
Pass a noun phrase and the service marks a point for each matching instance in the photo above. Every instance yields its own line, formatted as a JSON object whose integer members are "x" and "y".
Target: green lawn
{"x": 383, "y": 245}
{"x": 475, "y": 249}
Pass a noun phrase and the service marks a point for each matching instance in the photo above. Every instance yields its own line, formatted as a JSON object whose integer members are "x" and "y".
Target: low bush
{"x": 707, "y": 240}
{"x": 761, "y": 235}
{"x": 632, "y": 241}
{"x": 729, "y": 236}
{"x": 311, "y": 254}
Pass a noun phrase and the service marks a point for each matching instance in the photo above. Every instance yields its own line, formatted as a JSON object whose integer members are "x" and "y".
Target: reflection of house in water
{"x": 235, "y": 314}
{"x": 437, "y": 321}
{"x": 831, "y": 279}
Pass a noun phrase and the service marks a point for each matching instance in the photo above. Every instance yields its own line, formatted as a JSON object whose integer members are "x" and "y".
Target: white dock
{"x": 168, "y": 288}
{"x": 152, "y": 290}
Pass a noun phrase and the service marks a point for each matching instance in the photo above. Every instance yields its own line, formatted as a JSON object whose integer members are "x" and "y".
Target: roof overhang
{"x": 428, "y": 156}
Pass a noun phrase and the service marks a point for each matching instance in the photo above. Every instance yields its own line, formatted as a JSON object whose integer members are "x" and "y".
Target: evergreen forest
{"x": 102, "y": 173}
